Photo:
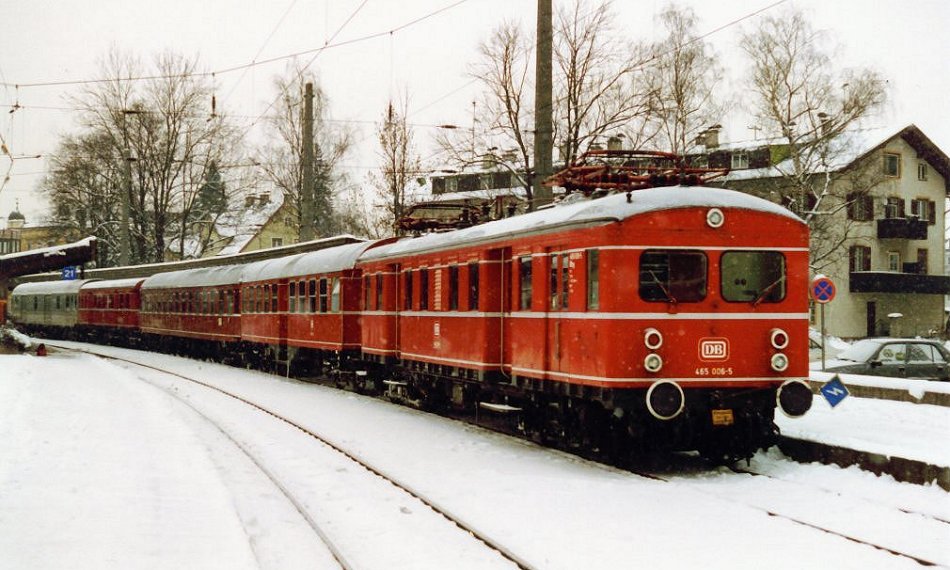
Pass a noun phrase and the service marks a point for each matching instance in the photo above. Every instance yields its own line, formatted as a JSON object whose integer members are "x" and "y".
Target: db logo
{"x": 713, "y": 349}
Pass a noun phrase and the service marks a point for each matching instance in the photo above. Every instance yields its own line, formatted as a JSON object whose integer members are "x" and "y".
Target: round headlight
{"x": 652, "y": 338}
{"x": 653, "y": 362}
{"x": 779, "y": 362}
{"x": 715, "y": 218}
{"x": 779, "y": 339}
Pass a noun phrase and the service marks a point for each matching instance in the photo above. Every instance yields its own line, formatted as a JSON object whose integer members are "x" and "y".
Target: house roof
{"x": 853, "y": 146}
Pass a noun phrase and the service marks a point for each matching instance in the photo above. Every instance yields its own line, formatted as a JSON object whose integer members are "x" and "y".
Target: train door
{"x": 558, "y": 264}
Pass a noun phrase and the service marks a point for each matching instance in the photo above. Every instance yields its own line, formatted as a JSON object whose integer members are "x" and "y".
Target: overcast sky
{"x": 52, "y": 41}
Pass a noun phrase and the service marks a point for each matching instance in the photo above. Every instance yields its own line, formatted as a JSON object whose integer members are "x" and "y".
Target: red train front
{"x": 669, "y": 317}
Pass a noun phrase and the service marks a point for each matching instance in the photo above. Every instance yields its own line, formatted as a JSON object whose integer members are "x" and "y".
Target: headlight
{"x": 652, "y": 338}
{"x": 653, "y": 362}
{"x": 779, "y": 339}
{"x": 715, "y": 218}
{"x": 779, "y": 362}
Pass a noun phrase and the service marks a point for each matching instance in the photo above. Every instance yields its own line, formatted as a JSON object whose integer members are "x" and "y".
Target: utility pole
{"x": 307, "y": 205}
{"x": 543, "y": 145}
{"x": 124, "y": 233}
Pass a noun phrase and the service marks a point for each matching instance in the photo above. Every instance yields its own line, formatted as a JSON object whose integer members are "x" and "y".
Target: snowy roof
{"x": 129, "y": 283}
{"x": 50, "y": 251}
{"x": 201, "y": 277}
{"x": 585, "y": 212}
{"x": 241, "y": 226}
{"x": 328, "y": 260}
{"x": 50, "y": 287}
{"x": 475, "y": 195}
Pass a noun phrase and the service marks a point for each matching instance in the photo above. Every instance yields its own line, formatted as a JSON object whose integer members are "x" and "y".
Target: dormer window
{"x": 921, "y": 171}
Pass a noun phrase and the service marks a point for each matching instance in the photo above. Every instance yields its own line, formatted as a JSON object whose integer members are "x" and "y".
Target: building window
{"x": 740, "y": 160}
{"x": 859, "y": 257}
{"x": 894, "y": 207}
{"x": 593, "y": 279}
{"x": 860, "y": 207}
{"x": 924, "y": 209}
{"x": 894, "y": 261}
{"x": 276, "y": 242}
{"x": 892, "y": 164}
{"x": 921, "y": 171}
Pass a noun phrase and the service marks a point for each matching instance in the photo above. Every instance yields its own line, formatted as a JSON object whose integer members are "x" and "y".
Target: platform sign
{"x": 822, "y": 289}
{"x": 70, "y": 272}
{"x": 834, "y": 391}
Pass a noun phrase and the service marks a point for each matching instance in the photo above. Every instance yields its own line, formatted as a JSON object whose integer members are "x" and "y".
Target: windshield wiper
{"x": 762, "y": 294}
{"x": 669, "y": 297}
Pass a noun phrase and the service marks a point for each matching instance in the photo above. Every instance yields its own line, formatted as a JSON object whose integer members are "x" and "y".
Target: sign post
{"x": 822, "y": 291}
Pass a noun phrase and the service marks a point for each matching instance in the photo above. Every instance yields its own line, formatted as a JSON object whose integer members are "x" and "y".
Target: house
{"x": 878, "y": 231}
{"x": 264, "y": 220}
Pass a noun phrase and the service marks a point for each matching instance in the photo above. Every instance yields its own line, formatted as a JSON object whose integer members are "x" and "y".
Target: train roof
{"x": 129, "y": 283}
{"x": 200, "y": 277}
{"x": 51, "y": 287}
{"x": 322, "y": 261}
{"x": 612, "y": 208}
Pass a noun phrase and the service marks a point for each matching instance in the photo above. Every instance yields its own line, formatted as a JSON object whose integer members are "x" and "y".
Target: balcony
{"x": 901, "y": 228}
{"x": 888, "y": 282}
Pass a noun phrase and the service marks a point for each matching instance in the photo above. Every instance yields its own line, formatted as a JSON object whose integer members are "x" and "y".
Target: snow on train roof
{"x": 199, "y": 277}
{"x": 607, "y": 209}
{"x": 327, "y": 260}
{"x": 51, "y": 287}
{"x": 128, "y": 283}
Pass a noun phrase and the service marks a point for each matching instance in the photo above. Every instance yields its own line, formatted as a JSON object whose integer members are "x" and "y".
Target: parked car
{"x": 894, "y": 357}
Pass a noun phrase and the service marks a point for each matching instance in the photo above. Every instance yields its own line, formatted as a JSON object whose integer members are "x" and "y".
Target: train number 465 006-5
{"x": 714, "y": 371}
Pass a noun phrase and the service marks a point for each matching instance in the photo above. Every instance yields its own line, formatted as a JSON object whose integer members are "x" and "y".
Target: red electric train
{"x": 666, "y": 318}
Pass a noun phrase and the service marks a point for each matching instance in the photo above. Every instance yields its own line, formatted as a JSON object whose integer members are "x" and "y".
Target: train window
{"x": 302, "y": 297}
{"x": 379, "y": 291}
{"x": 274, "y": 306}
{"x": 324, "y": 301}
{"x": 753, "y": 276}
{"x": 524, "y": 274}
{"x": 559, "y": 281}
{"x": 423, "y": 289}
{"x": 473, "y": 286}
{"x": 453, "y": 287}
{"x": 407, "y": 291}
{"x": 313, "y": 296}
{"x": 593, "y": 279}
{"x": 673, "y": 276}
{"x": 292, "y": 297}
{"x": 366, "y": 292}
{"x": 335, "y": 296}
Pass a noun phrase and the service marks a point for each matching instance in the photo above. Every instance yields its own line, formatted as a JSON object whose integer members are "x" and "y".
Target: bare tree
{"x": 166, "y": 126}
{"x": 281, "y": 159}
{"x": 400, "y": 163}
{"x": 683, "y": 77}
{"x": 604, "y": 91}
{"x": 600, "y": 91}
{"x": 811, "y": 109}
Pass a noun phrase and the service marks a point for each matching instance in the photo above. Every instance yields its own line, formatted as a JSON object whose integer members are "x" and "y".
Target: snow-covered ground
{"x": 102, "y": 465}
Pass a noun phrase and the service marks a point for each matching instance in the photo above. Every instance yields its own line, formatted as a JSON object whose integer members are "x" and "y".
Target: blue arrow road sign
{"x": 834, "y": 391}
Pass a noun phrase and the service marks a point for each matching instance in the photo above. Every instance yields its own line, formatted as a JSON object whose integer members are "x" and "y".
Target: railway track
{"x": 700, "y": 479}
{"x": 344, "y": 559}
{"x": 781, "y": 495}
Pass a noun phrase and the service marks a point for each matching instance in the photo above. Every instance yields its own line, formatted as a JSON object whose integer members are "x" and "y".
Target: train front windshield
{"x": 753, "y": 276}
